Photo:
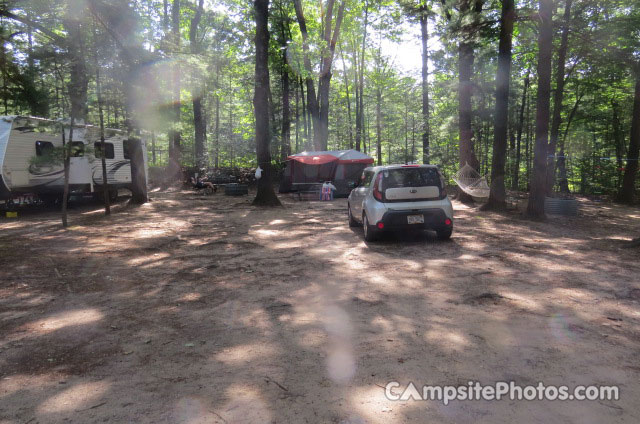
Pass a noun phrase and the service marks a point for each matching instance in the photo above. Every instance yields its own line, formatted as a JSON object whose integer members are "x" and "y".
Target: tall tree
{"x": 103, "y": 159}
{"x": 284, "y": 36}
{"x": 424, "y": 35}
{"x": 266, "y": 196}
{"x": 627, "y": 191}
{"x": 199, "y": 123}
{"x": 535, "y": 208}
{"x": 78, "y": 88}
{"x": 563, "y": 181}
{"x": 558, "y": 96}
{"x": 497, "y": 196}
{"x": 67, "y": 146}
{"x": 421, "y": 10}
{"x": 359, "y": 56}
{"x": 175, "y": 148}
{"x": 469, "y": 12}
{"x": 319, "y": 106}
{"x": 515, "y": 185}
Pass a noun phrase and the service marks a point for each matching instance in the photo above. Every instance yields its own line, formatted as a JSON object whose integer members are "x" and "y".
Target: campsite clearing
{"x": 204, "y": 309}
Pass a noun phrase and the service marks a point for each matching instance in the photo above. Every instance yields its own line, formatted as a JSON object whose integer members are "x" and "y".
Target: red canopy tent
{"x": 342, "y": 167}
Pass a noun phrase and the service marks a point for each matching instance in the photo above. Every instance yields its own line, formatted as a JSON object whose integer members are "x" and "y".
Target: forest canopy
{"x": 184, "y": 71}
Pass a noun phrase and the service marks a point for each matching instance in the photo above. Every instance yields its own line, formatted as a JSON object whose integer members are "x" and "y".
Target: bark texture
{"x": 266, "y": 196}
{"x": 535, "y": 208}
{"x": 497, "y": 196}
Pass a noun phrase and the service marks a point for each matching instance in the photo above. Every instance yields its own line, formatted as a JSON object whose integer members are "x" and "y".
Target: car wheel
{"x": 370, "y": 233}
{"x": 444, "y": 234}
{"x": 352, "y": 221}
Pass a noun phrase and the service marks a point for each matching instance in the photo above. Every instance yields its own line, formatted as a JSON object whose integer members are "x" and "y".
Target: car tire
{"x": 352, "y": 221}
{"x": 370, "y": 232}
{"x": 444, "y": 234}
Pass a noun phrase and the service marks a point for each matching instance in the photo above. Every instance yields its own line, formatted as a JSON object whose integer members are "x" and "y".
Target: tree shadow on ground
{"x": 210, "y": 310}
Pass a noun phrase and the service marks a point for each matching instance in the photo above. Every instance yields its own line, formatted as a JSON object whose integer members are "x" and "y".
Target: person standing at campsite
{"x": 327, "y": 190}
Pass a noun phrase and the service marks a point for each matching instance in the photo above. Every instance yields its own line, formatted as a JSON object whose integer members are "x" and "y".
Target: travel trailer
{"x": 29, "y": 147}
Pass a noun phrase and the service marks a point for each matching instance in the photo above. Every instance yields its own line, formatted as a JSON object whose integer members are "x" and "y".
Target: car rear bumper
{"x": 434, "y": 219}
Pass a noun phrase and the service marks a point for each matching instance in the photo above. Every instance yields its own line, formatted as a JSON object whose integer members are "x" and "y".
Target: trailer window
{"x": 77, "y": 149}
{"x": 108, "y": 149}
{"x": 44, "y": 148}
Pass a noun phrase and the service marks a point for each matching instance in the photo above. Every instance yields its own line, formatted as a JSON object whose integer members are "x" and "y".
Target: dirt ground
{"x": 204, "y": 309}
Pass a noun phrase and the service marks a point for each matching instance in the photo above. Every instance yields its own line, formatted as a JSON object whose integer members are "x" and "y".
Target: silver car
{"x": 401, "y": 197}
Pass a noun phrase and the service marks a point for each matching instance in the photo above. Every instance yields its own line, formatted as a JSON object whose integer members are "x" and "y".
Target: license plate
{"x": 415, "y": 219}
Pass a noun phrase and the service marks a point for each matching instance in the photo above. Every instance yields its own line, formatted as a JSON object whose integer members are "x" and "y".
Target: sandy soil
{"x": 195, "y": 309}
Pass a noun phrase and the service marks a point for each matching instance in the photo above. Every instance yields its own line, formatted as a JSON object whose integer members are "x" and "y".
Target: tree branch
{"x": 62, "y": 41}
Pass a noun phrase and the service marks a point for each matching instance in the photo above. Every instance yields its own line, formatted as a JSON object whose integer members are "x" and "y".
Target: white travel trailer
{"x": 28, "y": 145}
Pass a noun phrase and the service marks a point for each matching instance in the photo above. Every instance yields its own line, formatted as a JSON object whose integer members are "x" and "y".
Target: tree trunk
{"x": 103, "y": 159}
{"x": 312, "y": 100}
{"x": 535, "y": 208}
{"x": 406, "y": 133}
{"x": 67, "y": 164}
{"x": 78, "y": 87}
{"x": 557, "y": 98}
{"x": 516, "y": 168}
{"x": 285, "y": 144}
{"x": 497, "y": 196}
{"x": 359, "y": 80}
{"x": 79, "y": 82}
{"x": 527, "y": 146}
{"x": 200, "y": 128}
{"x": 305, "y": 124}
{"x": 465, "y": 88}
{"x": 199, "y": 124}
{"x": 275, "y": 147}
{"x": 359, "y": 125}
{"x": 465, "y": 72}
{"x": 627, "y": 191}
{"x": 424, "y": 30}
{"x": 297, "y": 90}
{"x": 346, "y": 87}
{"x": 563, "y": 182}
{"x": 153, "y": 147}
{"x": 285, "y": 150}
{"x": 618, "y": 141}
{"x": 413, "y": 138}
{"x": 217, "y": 133}
{"x": 324, "y": 83}
{"x": 5, "y": 85}
{"x": 266, "y": 196}
{"x": 175, "y": 153}
{"x": 165, "y": 16}
{"x": 379, "y": 125}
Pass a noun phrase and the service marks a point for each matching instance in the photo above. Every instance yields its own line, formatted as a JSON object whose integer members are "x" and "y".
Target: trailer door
{"x": 80, "y": 168}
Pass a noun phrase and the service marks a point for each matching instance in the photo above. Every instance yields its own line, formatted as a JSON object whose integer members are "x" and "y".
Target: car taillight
{"x": 447, "y": 222}
{"x": 377, "y": 194}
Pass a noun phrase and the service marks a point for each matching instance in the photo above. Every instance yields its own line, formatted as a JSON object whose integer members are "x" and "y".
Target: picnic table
{"x": 307, "y": 191}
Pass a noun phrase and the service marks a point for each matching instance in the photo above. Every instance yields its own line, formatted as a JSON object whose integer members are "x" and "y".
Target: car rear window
{"x": 410, "y": 177}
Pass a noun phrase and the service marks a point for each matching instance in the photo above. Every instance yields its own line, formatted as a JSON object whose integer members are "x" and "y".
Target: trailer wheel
{"x": 113, "y": 195}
